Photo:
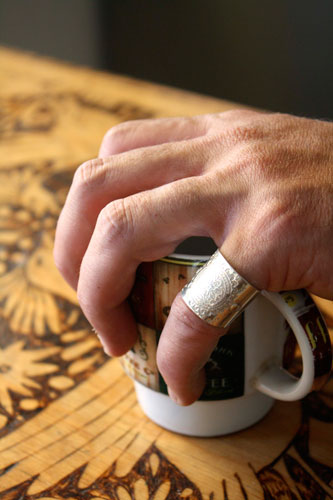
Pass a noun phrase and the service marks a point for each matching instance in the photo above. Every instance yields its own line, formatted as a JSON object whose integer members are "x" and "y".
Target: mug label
{"x": 157, "y": 284}
{"x": 225, "y": 371}
{"x": 155, "y": 287}
{"x": 140, "y": 361}
{"x": 316, "y": 331}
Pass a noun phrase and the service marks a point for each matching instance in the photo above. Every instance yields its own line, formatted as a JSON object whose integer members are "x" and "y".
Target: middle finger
{"x": 99, "y": 182}
{"x": 141, "y": 228}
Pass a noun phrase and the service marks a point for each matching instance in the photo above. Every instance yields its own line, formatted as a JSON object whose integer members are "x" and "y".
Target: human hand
{"x": 260, "y": 185}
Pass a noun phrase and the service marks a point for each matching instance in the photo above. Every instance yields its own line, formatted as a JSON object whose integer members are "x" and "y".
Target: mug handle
{"x": 308, "y": 325}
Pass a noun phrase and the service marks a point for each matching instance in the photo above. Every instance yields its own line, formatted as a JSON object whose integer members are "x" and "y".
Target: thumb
{"x": 184, "y": 348}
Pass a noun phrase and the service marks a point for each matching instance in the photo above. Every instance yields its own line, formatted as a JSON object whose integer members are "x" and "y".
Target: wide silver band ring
{"x": 217, "y": 293}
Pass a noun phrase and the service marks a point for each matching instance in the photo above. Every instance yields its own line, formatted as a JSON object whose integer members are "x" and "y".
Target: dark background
{"x": 275, "y": 55}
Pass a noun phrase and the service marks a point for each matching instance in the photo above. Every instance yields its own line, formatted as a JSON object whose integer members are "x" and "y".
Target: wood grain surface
{"x": 70, "y": 426}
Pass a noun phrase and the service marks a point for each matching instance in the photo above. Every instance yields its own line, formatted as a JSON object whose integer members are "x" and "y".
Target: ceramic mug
{"x": 246, "y": 371}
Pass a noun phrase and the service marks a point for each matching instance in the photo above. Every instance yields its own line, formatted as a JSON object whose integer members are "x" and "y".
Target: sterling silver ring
{"x": 217, "y": 293}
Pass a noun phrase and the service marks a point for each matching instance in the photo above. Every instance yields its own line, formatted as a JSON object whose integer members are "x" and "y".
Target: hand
{"x": 260, "y": 185}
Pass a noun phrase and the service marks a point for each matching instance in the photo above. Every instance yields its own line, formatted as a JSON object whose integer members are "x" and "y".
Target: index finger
{"x": 141, "y": 228}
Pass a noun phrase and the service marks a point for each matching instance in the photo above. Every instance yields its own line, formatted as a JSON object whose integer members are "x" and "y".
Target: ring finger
{"x": 99, "y": 182}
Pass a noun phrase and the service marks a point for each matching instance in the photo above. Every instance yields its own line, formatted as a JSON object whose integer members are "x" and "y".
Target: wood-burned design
{"x": 306, "y": 478}
{"x": 45, "y": 112}
{"x": 155, "y": 476}
{"x": 54, "y": 445}
{"x": 30, "y": 284}
{"x": 46, "y": 345}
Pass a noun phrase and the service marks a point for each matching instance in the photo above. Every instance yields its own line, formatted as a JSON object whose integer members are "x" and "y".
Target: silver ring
{"x": 217, "y": 293}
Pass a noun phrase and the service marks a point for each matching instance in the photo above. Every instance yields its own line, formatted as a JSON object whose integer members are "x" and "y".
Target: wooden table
{"x": 70, "y": 426}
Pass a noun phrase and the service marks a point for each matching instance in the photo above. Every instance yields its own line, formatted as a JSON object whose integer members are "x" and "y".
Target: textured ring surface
{"x": 217, "y": 293}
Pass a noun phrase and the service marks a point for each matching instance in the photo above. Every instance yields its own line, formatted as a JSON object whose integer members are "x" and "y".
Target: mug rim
{"x": 185, "y": 259}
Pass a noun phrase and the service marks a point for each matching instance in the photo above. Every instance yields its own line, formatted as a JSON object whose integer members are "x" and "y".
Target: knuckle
{"x": 258, "y": 161}
{"x": 87, "y": 172}
{"x": 109, "y": 135}
{"x": 256, "y": 154}
{"x": 241, "y": 133}
{"x": 244, "y": 132}
{"x": 117, "y": 219}
{"x": 111, "y": 138}
{"x": 113, "y": 141}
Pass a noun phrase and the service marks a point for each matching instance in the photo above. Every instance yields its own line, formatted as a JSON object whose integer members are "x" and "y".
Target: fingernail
{"x": 175, "y": 398}
{"x": 100, "y": 338}
{"x": 105, "y": 348}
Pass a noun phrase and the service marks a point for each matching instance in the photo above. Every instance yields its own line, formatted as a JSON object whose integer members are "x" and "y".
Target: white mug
{"x": 245, "y": 373}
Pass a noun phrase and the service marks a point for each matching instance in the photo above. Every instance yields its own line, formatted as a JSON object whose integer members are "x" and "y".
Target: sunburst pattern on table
{"x": 41, "y": 325}
{"x": 54, "y": 445}
{"x": 18, "y": 367}
{"x": 46, "y": 345}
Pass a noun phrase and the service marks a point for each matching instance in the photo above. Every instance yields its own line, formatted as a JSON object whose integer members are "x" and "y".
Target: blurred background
{"x": 272, "y": 54}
